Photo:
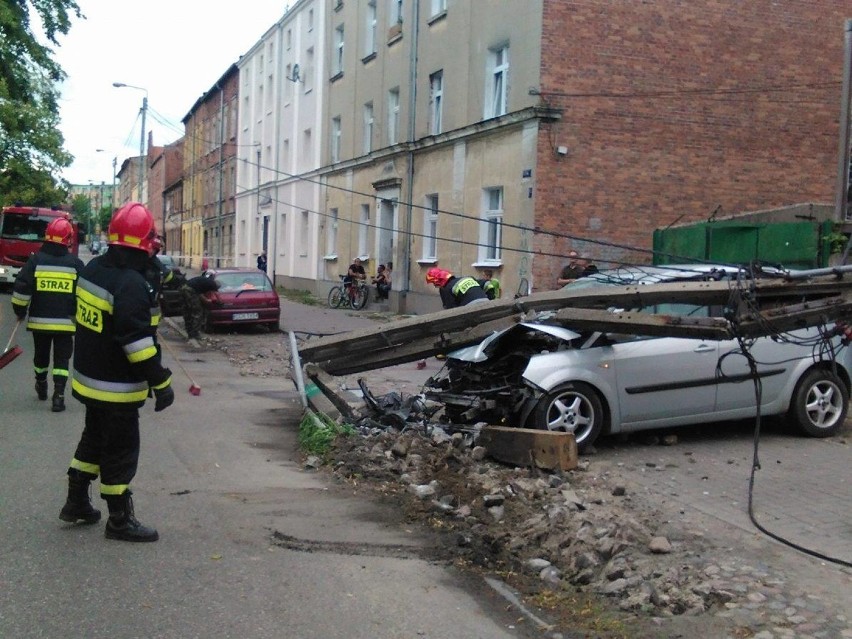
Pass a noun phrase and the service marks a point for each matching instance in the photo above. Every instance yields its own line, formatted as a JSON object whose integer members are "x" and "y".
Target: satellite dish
{"x": 295, "y": 77}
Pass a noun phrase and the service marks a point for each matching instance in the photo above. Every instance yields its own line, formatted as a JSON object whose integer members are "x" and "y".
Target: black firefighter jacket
{"x": 45, "y": 287}
{"x": 116, "y": 359}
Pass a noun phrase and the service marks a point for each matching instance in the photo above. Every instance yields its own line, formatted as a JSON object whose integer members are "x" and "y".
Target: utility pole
{"x": 142, "y": 153}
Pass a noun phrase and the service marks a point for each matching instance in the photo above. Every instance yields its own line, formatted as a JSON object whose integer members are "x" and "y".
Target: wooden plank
{"x": 544, "y": 449}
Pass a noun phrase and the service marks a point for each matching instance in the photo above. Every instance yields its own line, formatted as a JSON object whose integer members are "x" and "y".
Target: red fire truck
{"x": 22, "y": 233}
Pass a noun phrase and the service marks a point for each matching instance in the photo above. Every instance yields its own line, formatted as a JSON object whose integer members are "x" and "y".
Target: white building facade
{"x": 278, "y": 190}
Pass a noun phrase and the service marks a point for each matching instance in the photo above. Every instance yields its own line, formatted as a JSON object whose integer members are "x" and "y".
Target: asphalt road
{"x": 251, "y": 544}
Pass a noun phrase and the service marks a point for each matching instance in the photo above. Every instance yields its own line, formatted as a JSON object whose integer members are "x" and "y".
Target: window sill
{"x": 430, "y": 261}
{"x": 437, "y": 17}
{"x": 488, "y": 264}
{"x": 394, "y": 34}
{"x": 336, "y": 77}
{"x": 367, "y": 58}
{"x": 330, "y": 258}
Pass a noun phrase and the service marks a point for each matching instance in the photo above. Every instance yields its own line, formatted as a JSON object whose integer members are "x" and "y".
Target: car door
{"x": 664, "y": 379}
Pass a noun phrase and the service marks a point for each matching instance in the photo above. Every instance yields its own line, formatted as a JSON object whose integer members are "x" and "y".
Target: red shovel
{"x": 11, "y": 352}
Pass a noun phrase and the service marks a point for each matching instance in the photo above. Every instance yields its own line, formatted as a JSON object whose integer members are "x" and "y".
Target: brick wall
{"x": 732, "y": 104}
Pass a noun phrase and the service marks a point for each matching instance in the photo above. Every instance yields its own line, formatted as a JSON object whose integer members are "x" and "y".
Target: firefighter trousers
{"x": 62, "y": 345}
{"x": 109, "y": 447}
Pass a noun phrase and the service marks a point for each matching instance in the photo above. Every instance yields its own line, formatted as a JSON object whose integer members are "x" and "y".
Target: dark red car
{"x": 245, "y": 296}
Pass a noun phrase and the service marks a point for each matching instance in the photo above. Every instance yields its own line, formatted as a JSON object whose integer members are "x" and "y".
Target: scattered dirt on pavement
{"x": 585, "y": 551}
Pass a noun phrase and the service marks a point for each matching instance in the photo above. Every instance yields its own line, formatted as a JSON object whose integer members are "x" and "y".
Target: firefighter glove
{"x": 165, "y": 397}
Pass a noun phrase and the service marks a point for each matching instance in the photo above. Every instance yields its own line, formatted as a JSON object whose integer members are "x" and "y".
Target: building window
{"x": 364, "y": 230}
{"x": 368, "y": 127}
{"x": 331, "y": 235}
{"x": 310, "y": 20}
{"x": 289, "y": 39}
{"x": 337, "y": 66}
{"x": 498, "y": 76}
{"x": 491, "y": 227}
{"x": 430, "y": 228}
{"x": 438, "y": 6}
{"x": 336, "y": 134}
{"x": 436, "y": 99}
{"x": 370, "y": 38}
{"x": 307, "y": 74}
{"x": 395, "y": 12}
{"x": 393, "y": 116}
{"x": 288, "y": 84}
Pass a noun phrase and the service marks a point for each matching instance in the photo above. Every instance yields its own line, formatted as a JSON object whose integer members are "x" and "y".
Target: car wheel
{"x": 574, "y": 407}
{"x": 819, "y": 403}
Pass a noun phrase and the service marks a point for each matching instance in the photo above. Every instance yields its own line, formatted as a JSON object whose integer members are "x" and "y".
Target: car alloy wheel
{"x": 819, "y": 404}
{"x": 572, "y": 408}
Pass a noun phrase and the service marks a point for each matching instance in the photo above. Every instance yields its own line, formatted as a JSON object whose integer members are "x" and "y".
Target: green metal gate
{"x": 796, "y": 245}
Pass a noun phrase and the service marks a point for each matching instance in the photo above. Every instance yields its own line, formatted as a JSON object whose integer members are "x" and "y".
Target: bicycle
{"x": 355, "y": 297}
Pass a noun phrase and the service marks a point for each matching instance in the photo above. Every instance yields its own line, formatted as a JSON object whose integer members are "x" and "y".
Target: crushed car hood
{"x": 478, "y": 352}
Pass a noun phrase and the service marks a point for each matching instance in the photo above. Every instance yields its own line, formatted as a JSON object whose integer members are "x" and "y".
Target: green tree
{"x": 22, "y": 184}
{"x": 31, "y": 145}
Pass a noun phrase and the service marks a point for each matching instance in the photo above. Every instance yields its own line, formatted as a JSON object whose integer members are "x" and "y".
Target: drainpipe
{"x": 843, "y": 156}
{"x": 412, "y": 132}
{"x": 221, "y": 169}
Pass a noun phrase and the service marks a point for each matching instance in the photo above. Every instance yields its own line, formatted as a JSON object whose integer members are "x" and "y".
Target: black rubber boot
{"x": 78, "y": 507}
{"x": 41, "y": 389}
{"x": 122, "y": 523}
{"x": 58, "y": 395}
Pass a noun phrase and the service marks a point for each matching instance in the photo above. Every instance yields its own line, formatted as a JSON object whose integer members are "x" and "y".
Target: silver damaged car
{"x": 546, "y": 376}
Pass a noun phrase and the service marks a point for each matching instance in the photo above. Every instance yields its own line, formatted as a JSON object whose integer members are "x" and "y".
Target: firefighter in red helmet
{"x": 44, "y": 294}
{"x": 455, "y": 291}
{"x": 116, "y": 364}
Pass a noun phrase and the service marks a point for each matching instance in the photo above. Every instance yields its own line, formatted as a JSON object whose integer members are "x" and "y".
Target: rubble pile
{"x": 567, "y": 530}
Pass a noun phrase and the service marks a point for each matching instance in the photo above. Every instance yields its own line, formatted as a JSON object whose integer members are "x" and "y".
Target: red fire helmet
{"x": 133, "y": 226}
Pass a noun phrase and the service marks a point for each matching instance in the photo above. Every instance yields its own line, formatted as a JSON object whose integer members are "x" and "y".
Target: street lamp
{"x": 141, "y": 137}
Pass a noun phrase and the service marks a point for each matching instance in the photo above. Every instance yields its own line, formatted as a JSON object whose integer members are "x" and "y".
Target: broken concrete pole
{"x": 528, "y": 447}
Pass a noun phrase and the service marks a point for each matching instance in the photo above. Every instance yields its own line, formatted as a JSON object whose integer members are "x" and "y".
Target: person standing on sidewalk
{"x": 44, "y": 294}
{"x": 116, "y": 364}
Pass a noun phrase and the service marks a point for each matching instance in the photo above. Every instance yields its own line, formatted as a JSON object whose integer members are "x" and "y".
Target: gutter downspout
{"x": 841, "y": 211}
{"x": 221, "y": 169}
{"x": 412, "y": 132}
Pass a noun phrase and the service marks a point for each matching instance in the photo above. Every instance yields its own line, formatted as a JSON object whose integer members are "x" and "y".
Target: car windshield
{"x": 24, "y": 227}
{"x": 230, "y": 282}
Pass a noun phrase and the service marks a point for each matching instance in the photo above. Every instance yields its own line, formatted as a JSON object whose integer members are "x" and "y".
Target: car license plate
{"x": 245, "y": 316}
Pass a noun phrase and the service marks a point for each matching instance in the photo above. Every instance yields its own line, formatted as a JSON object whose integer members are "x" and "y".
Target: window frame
{"x": 372, "y": 29}
{"x": 339, "y": 44}
{"x": 436, "y": 102}
{"x": 497, "y": 96}
{"x": 491, "y": 227}
{"x": 430, "y": 227}
{"x": 336, "y": 138}
{"x": 393, "y": 116}
{"x": 369, "y": 126}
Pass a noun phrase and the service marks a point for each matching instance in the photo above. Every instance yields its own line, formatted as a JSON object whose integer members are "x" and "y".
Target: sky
{"x": 176, "y": 49}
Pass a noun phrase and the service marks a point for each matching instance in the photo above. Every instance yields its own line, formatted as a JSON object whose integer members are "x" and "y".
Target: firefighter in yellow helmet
{"x": 116, "y": 363}
{"x": 44, "y": 294}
